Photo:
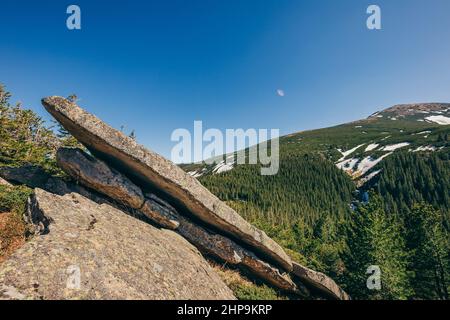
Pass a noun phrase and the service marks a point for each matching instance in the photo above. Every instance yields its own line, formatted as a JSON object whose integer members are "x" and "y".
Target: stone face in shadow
{"x": 30, "y": 175}
{"x": 86, "y": 250}
{"x": 152, "y": 171}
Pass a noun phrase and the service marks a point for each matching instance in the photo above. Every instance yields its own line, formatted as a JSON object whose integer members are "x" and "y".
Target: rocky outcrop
{"x": 97, "y": 175}
{"x": 85, "y": 250}
{"x": 151, "y": 171}
{"x": 319, "y": 282}
{"x": 87, "y": 224}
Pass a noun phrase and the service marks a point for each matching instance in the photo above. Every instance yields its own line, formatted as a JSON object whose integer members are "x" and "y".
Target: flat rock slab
{"x": 155, "y": 172}
{"x": 320, "y": 282}
{"x": 98, "y": 176}
{"x": 87, "y": 250}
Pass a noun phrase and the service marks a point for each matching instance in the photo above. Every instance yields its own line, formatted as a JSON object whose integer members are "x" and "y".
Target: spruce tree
{"x": 374, "y": 239}
{"x": 428, "y": 241}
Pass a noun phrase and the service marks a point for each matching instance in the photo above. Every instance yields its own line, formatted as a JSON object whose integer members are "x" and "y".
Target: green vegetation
{"x": 13, "y": 198}
{"x": 13, "y": 230}
{"x": 374, "y": 238}
{"x": 410, "y": 178}
{"x": 428, "y": 244}
{"x": 23, "y": 136}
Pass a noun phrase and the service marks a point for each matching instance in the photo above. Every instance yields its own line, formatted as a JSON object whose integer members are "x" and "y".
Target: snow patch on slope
{"x": 369, "y": 177}
{"x": 371, "y": 147}
{"x": 393, "y": 147}
{"x": 348, "y": 152}
{"x": 425, "y": 148}
{"x": 442, "y": 120}
{"x": 368, "y": 163}
{"x": 223, "y": 167}
{"x": 348, "y": 164}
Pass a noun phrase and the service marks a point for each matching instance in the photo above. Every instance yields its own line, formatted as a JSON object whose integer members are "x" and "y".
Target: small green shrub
{"x": 13, "y": 199}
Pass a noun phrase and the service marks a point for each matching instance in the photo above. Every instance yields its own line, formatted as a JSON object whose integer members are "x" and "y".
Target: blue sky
{"x": 155, "y": 66}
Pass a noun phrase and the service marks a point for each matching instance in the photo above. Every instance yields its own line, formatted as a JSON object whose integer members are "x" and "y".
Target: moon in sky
{"x": 280, "y": 93}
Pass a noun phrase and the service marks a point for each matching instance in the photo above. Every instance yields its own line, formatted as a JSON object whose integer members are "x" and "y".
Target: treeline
{"x": 408, "y": 178}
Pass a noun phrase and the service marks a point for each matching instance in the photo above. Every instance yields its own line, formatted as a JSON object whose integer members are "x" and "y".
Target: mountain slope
{"x": 358, "y": 147}
{"x": 400, "y": 153}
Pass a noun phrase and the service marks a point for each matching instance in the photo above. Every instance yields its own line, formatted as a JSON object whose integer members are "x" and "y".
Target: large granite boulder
{"x": 151, "y": 171}
{"x": 85, "y": 250}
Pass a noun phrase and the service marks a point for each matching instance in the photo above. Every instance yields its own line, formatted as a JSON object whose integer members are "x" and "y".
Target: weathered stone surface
{"x": 159, "y": 214}
{"x": 97, "y": 175}
{"x": 36, "y": 177}
{"x": 154, "y": 171}
{"x": 319, "y": 282}
{"x": 116, "y": 256}
{"x": 228, "y": 251}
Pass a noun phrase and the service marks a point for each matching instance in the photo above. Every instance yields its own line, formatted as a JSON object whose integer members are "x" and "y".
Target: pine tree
{"x": 429, "y": 243}
{"x": 374, "y": 239}
{"x": 23, "y": 136}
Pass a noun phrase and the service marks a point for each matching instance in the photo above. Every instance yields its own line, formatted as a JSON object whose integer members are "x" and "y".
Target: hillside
{"x": 357, "y": 147}
{"x": 400, "y": 154}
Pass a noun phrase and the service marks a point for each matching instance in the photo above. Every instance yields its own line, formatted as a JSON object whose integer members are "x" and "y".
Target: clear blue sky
{"x": 155, "y": 66}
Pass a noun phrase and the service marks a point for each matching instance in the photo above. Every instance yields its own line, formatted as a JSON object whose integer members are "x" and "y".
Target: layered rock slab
{"x": 231, "y": 253}
{"x": 114, "y": 255}
{"x": 96, "y": 175}
{"x": 320, "y": 282}
{"x": 154, "y": 171}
